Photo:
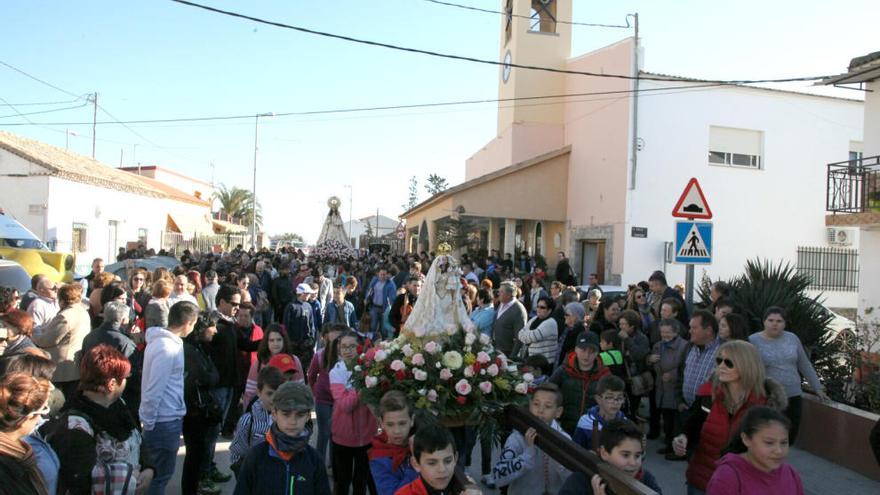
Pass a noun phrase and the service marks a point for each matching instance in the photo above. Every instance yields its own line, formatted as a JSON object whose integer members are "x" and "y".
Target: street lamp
{"x": 350, "y": 225}
{"x": 254, "y": 189}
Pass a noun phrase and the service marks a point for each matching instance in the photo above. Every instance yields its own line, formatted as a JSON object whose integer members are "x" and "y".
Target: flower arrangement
{"x": 459, "y": 377}
{"x": 333, "y": 251}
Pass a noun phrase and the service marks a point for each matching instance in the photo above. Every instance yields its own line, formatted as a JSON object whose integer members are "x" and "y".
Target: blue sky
{"x": 158, "y": 59}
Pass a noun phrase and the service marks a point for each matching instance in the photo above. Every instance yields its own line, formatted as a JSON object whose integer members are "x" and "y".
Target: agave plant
{"x": 764, "y": 284}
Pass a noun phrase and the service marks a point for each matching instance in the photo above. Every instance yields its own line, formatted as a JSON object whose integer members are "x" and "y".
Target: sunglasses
{"x": 727, "y": 362}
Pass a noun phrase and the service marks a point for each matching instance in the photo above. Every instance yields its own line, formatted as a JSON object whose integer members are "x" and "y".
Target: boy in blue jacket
{"x": 610, "y": 396}
{"x": 285, "y": 462}
{"x": 389, "y": 455}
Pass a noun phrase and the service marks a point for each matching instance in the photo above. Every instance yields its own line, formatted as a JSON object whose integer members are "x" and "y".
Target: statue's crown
{"x": 444, "y": 248}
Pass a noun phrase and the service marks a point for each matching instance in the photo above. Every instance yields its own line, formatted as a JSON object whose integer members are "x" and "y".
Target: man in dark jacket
{"x": 224, "y": 352}
{"x": 281, "y": 292}
{"x": 564, "y": 273}
{"x": 116, "y": 316}
{"x": 660, "y": 290}
{"x": 404, "y": 303}
{"x": 300, "y": 324}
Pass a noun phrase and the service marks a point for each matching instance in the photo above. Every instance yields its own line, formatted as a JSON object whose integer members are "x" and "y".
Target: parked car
{"x": 121, "y": 268}
{"x": 614, "y": 291}
{"x": 14, "y": 275}
{"x": 19, "y": 244}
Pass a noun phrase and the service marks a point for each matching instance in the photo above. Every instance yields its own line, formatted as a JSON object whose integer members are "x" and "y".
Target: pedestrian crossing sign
{"x": 693, "y": 242}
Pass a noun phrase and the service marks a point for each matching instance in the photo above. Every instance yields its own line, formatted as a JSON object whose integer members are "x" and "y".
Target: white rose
{"x": 485, "y": 339}
{"x": 521, "y": 388}
{"x": 452, "y": 360}
{"x": 469, "y": 371}
{"x": 469, "y": 339}
{"x": 380, "y": 356}
{"x": 528, "y": 377}
{"x": 371, "y": 381}
{"x": 407, "y": 350}
{"x": 420, "y": 375}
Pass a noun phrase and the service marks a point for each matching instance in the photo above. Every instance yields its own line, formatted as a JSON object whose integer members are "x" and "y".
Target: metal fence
{"x": 853, "y": 186}
{"x": 176, "y": 243}
{"x": 829, "y": 268}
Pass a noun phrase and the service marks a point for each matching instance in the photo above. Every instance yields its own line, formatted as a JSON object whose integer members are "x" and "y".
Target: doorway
{"x": 593, "y": 260}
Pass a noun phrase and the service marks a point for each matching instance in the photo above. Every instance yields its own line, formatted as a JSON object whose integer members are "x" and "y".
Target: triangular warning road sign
{"x": 693, "y": 246}
{"x": 692, "y": 203}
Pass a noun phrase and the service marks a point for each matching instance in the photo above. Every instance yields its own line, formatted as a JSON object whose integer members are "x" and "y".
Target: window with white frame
{"x": 856, "y": 150}
{"x": 736, "y": 147}
{"x": 79, "y": 238}
{"x": 142, "y": 236}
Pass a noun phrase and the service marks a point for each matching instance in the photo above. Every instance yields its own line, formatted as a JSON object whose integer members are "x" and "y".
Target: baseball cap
{"x": 304, "y": 289}
{"x": 292, "y": 396}
{"x": 587, "y": 339}
{"x": 284, "y": 362}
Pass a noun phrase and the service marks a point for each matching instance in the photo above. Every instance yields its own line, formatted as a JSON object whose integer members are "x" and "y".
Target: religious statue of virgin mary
{"x": 440, "y": 310}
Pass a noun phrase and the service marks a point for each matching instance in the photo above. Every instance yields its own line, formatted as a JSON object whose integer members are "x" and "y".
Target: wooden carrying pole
{"x": 573, "y": 456}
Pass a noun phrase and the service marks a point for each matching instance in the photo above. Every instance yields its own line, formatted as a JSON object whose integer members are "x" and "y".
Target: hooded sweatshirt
{"x": 528, "y": 470}
{"x": 162, "y": 383}
{"x": 734, "y": 475}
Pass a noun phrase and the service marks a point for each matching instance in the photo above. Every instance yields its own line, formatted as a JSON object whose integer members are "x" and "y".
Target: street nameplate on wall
{"x": 641, "y": 232}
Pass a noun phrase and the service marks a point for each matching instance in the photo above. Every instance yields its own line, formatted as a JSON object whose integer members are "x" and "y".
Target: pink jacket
{"x": 734, "y": 475}
{"x": 352, "y": 425}
{"x": 319, "y": 380}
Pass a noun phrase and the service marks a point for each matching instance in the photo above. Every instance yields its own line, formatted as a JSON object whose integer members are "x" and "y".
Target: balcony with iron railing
{"x": 852, "y": 195}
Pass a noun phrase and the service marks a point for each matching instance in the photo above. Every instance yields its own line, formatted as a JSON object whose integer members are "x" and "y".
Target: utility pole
{"x": 94, "y": 120}
{"x": 635, "y": 108}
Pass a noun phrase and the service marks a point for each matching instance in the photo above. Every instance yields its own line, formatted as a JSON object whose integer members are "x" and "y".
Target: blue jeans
{"x": 223, "y": 397}
{"x": 161, "y": 445}
{"x": 324, "y": 413}
{"x": 377, "y": 318}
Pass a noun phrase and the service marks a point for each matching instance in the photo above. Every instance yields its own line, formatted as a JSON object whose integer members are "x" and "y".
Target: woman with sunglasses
{"x": 23, "y": 403}
{"x": 96, "y": 429}
{"x": 738, "y": 383}
{"x": 787, "y": 363}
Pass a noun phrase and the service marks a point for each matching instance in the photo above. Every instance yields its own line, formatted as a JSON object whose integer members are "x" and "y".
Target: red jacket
{"x": 717, "y": 429}
{"x": 417, "y": 487}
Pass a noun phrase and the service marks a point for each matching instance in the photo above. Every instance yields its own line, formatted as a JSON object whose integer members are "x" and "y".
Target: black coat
{"x": 15, "y": 479}
{"x": 565, "y": 274}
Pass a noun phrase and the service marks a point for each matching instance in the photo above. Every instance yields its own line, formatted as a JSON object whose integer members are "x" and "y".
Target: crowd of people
{"x": 102, "y": 377}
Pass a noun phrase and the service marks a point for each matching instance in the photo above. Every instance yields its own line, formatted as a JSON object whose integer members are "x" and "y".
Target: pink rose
{"x": 418, "y": 359}
{"x": 380, "y": 356}
{"x": 445, "y": 374}
{"x": 468, "y": 371}
{"x": 432, "y": 347}
{"x": 371, "y": 381}
{"x": 420, "y": 375}
{"x": 463, "y": 387}
{"x": 407, "y": 350}
{"x": 486, "y": 387}
{"x": 493, "y": 370}
{"x": 432, "y": 395}
{"x": 483, "y": 357}
{"x": 397, "y": 365}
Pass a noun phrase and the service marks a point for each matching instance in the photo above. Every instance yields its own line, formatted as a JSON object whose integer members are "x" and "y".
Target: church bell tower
{"x": 534, "y": 33}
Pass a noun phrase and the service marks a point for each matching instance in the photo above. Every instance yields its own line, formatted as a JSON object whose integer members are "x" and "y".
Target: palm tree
{"x": 238, "y": 203}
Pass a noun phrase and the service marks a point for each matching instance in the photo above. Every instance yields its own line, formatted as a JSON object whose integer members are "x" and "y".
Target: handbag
{"x": 639, "y": 383}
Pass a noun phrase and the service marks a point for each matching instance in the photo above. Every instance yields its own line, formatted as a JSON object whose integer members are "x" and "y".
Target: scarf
{"x": 115, "y": 420}
{"x": 23, "y": 454}
{"x": 537, "y": 322}
{"x": 285, "y": 445}
{"x": 381, "y": 448}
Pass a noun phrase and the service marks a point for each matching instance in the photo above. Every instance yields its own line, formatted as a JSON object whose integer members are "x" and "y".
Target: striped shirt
{"x": 698, "y": 367}
{"x": 251, "y": 430}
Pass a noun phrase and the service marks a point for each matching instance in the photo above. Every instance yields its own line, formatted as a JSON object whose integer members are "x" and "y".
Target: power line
{"x": 489, "y": 11}
{"x": 365, "y": 109}
{"x": 19, "y": 114}
{"x": 473, "y": 59}
{"x": 40, "y": 80}
{"x": 37, "y": 103}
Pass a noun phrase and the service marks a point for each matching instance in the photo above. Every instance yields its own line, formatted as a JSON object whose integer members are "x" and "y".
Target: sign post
{"x": 693, "y": 240}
